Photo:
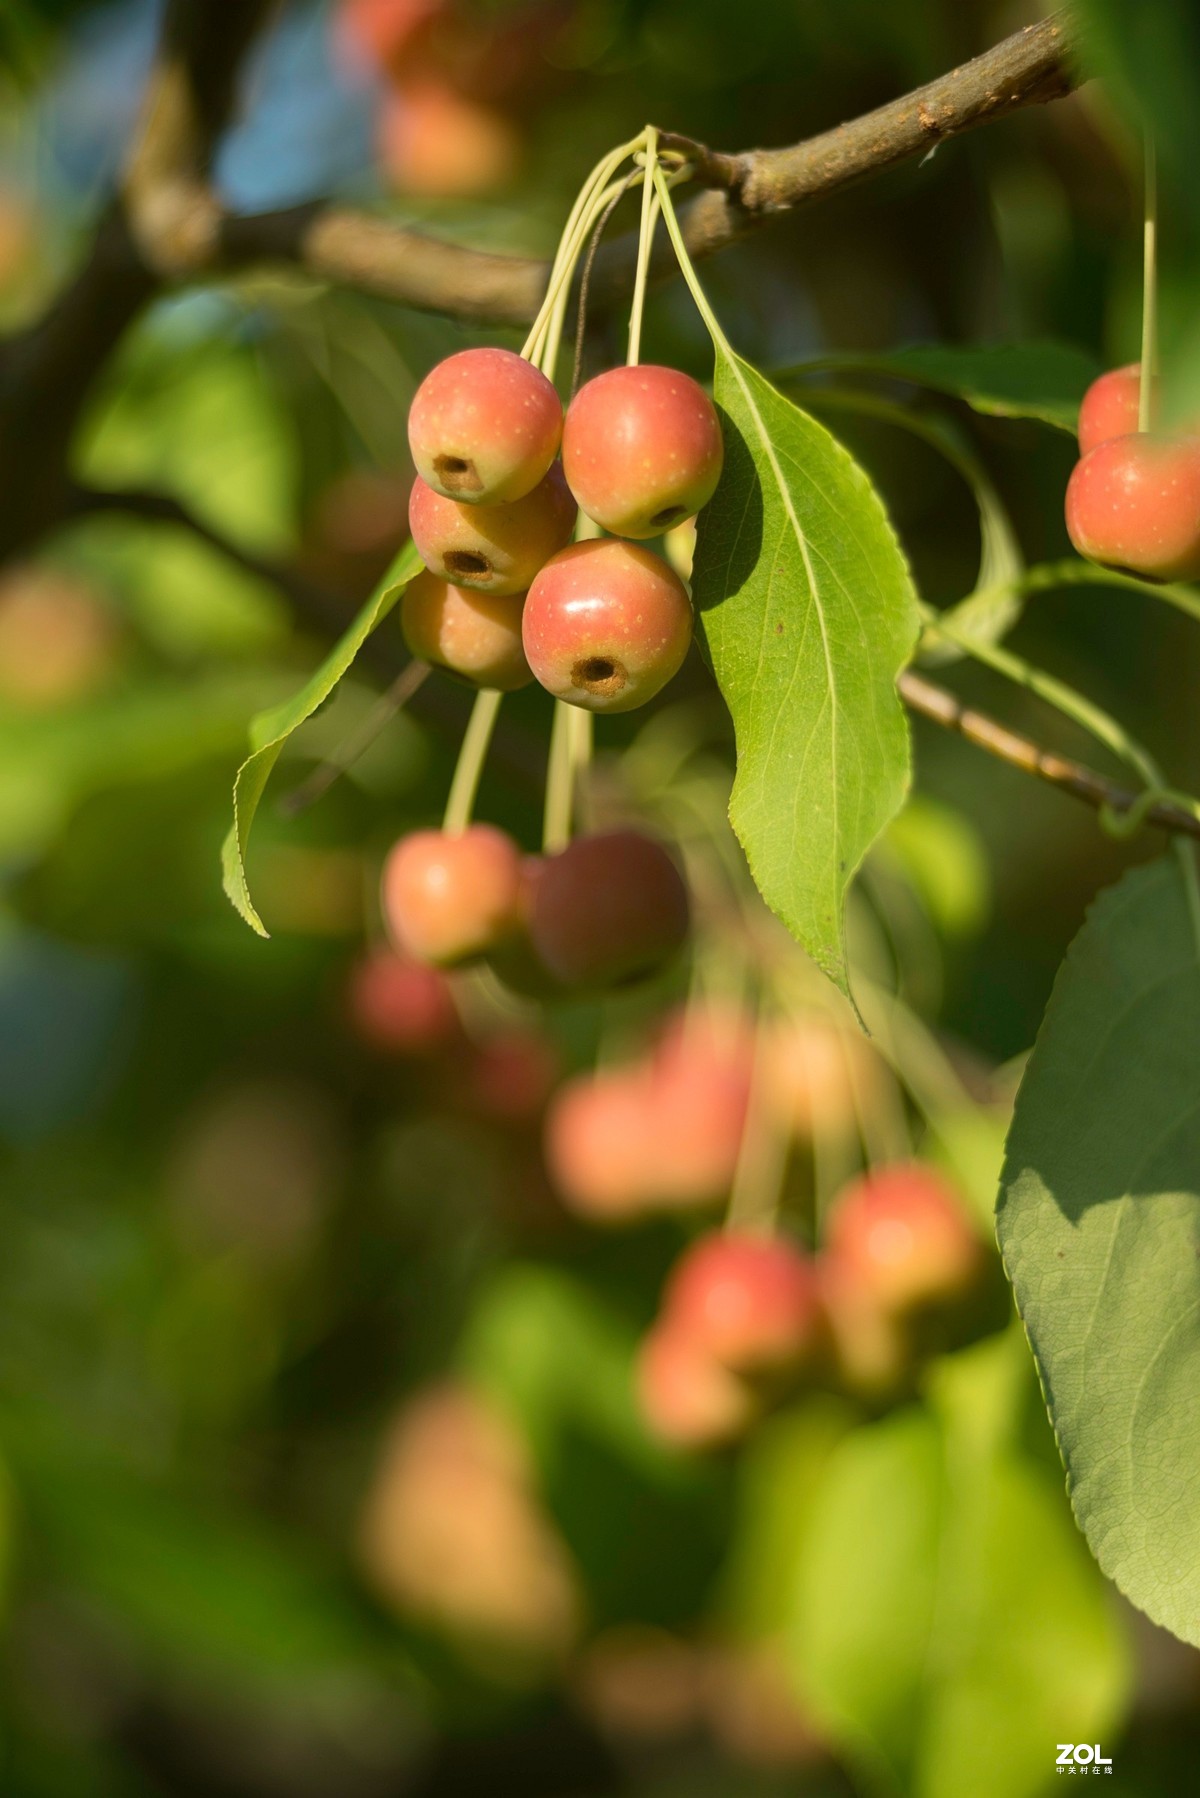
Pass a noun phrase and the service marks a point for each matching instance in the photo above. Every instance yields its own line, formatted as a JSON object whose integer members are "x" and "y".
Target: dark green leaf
{"x": 1045, "y": 381}
{"x": 808, "y": 611}
{"x": 1100, "y": 1229}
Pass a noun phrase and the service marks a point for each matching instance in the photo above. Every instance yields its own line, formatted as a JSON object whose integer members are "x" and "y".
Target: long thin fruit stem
{"x": 560, "y": 782}
{"x": 1146, "y": 386}
{"x": 471, "y": 757}
{"x": 645, "y": 239}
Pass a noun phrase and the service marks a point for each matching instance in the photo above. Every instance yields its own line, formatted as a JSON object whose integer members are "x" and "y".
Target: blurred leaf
{"x": 1043, "y": 381}
{"x": 1149, "y": 57}
{"x": 271, "y": 730}
{"x": 808, "y": 612}
{"x": 1100, "y": 1225}
{"x": 950, "y": 1627}
{"x": 942, "y": 856}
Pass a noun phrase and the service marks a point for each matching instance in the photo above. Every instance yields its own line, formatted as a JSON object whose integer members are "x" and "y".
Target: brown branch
{"x": 1022, "y": 752}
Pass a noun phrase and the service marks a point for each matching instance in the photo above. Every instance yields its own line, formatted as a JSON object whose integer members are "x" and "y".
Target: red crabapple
{"x": 474, "y": 635}
{"x": 606, "y": 625}
{"x": 493, "y": 549}
{"x": 599, "y": 1143}
{"x": 1134, "y": 503}
{"x": 698, "y": 1095}
{"x": 751, "y": 1302}
{"x": 448, "y": 898}
{"x": 607, "y": 909}
{"x": 900, "y": 1236}
{"x": 440, "y": 144}
{"x": 1109, "y": 408}
{"x": 817, "y": 1075}
{"x": 511, "y": 1075}
{"x": 484, "y": 427}
{"x": 642, "y": 449}
{"x": 687, "y": 1396}
{"x": 401, "y": 1006}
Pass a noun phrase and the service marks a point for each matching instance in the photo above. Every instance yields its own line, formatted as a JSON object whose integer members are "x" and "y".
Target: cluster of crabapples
{"x": 1133, "y": 500}
{"x": 602, "y": 624}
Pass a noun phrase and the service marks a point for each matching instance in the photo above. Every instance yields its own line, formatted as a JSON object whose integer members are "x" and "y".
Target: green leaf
{"x": 1043, "y": 381}
{"x": 271, "y": 729}
{"x": 949, "y": 1627}
{"x": 1100, "y": 1229}
{"x": 808, "y": 611}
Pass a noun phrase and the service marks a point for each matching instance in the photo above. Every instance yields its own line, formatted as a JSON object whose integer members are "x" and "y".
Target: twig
{"x": 1070, "y": 776}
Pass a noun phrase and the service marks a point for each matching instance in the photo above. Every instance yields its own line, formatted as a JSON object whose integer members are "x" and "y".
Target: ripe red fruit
{"x": 448, "y": 898}
{"x": 698, "y": 1096}
{"x": 484, "y": 427}
{"x": 599, "y": 1143}
{"x": 751, "y": 1302}
{"x": 687, "y": 1396}
{"x": 900, "y": 1236}
{"x": 492, "y": 549}
{"x": 474, "y": 635}
{"x": 608, "y": 909}
{"x": 1134, "y": 503}
{"x": 642, "y": 449}
{"x": 606, "y": 625}
{"x": 438, "y": 143}
{"x": 1109, "y": 408}
{"x": 401, "y": 1006}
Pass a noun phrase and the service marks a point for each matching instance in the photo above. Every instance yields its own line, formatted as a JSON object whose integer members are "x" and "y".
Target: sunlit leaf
{"x": 1100, "y": 1229}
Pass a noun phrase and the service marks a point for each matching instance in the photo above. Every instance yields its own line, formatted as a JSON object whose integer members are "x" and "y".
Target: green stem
{"x": 685, "y": 262}
{"x": 1146, "y": 406}
{"x": 471, "y": 757}
{"x": 580, "y": 221}
{"x": 757, "y": 1191}
{"x": 645, "y": 239}
{"x": 560, "y": 782}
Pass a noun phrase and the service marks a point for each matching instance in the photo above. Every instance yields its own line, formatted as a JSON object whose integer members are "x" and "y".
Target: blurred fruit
{"x": 600, "y": 1143}
{"x": 610, "y": 908}
{"x": 401, "y": 1006}
{"x": 817, "y": 1075}
{"x": 57, "y": 641}
{"x": 511, "y": 1074}
{"x": 747, "y": 1301}
{"x": 438, "y": 144}
{"x": 447, "y": 899}
{"x": 381, "y": 30}
{"x": 700, "y": 1080}
{"x": 452, "y": 1531}
{"x": 474, "y": 635}
{"x": 900, "y": 1236}
{"x": 642, "y": 449}
{"x": 484, "y": 427}
{"x": 641, "y": 1684}
{"x": 687, "y": 1396}
{"x": 606, "y": 625}
{"x": 493, "y": 549}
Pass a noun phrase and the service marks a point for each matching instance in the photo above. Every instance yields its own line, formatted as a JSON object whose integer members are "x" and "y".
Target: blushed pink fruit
{"x": 401, "y": 1006}
{"x": 699, "y": 1092}
{"x": 1109, "y": 408}
{"x": 511, "y": 1075}
{"x": 449, "y": 898}
{"x": 484, "y": 427}
{"x": 751, "y": 1302}
{"x": 900, "y": 1236}
{"x": 818, "y": 1074}
{"x": 642, "y": 449}
{"x": 491, "y": 549}
{"x": 687, "y": 1396}
{"x": 474, "y": 635}
{"x": 1134, "y": 503}
{"x": 610, "y": 908}
{"x": 606, "y": 625}
{"x": 599, "y": 1143}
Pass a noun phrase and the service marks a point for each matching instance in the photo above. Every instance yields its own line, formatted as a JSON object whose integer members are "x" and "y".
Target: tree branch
{"x": 1060, "y": 771}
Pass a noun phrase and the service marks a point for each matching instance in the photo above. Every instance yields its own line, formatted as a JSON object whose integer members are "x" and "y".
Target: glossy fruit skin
{"x": 1134, "y": 503}
{"x": 606, "y": 625}
{"x": 400, "y": 1006}
{"x": 750, "y": 1301}
{"x": 610, "y": 908}
{"x": 899, "y": 1236}
{"x": 1109, "y": 408}
{"x": 447, "y": 899}
{"x": 642, "y": 449}
{"x": 687, "y": 1396}
{"x": 484, "y": 427}
{"x": 474, "y": 635}
{"x": 492, "y": 549}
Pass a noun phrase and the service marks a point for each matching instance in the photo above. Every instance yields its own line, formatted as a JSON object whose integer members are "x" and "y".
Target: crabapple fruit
{"x": 642, "y": 449}
{"x": 751, "y": 1302}
{"x": 474, "y": 635}
{"x": 1134, "y": 503}
{"x": 401, "y": 1006}
{"x": 439, "y": 144}
{"x": 492, "y": 549}
{"x": 484, "y": 427}
{"x": 687, "y": 1396}
{"x": 511, "y": 1075}
{"x": 699, "y": 1092}
{"x": 606, "y": 625}
{"x": 817, "y": 1075}
{"x": 609, "y": 908}
{"x": 449, "y": 898}
{"x": 599, "y": 1143}
{"x": 899, "y": 1235}
{"x": 1109, "y": 408}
